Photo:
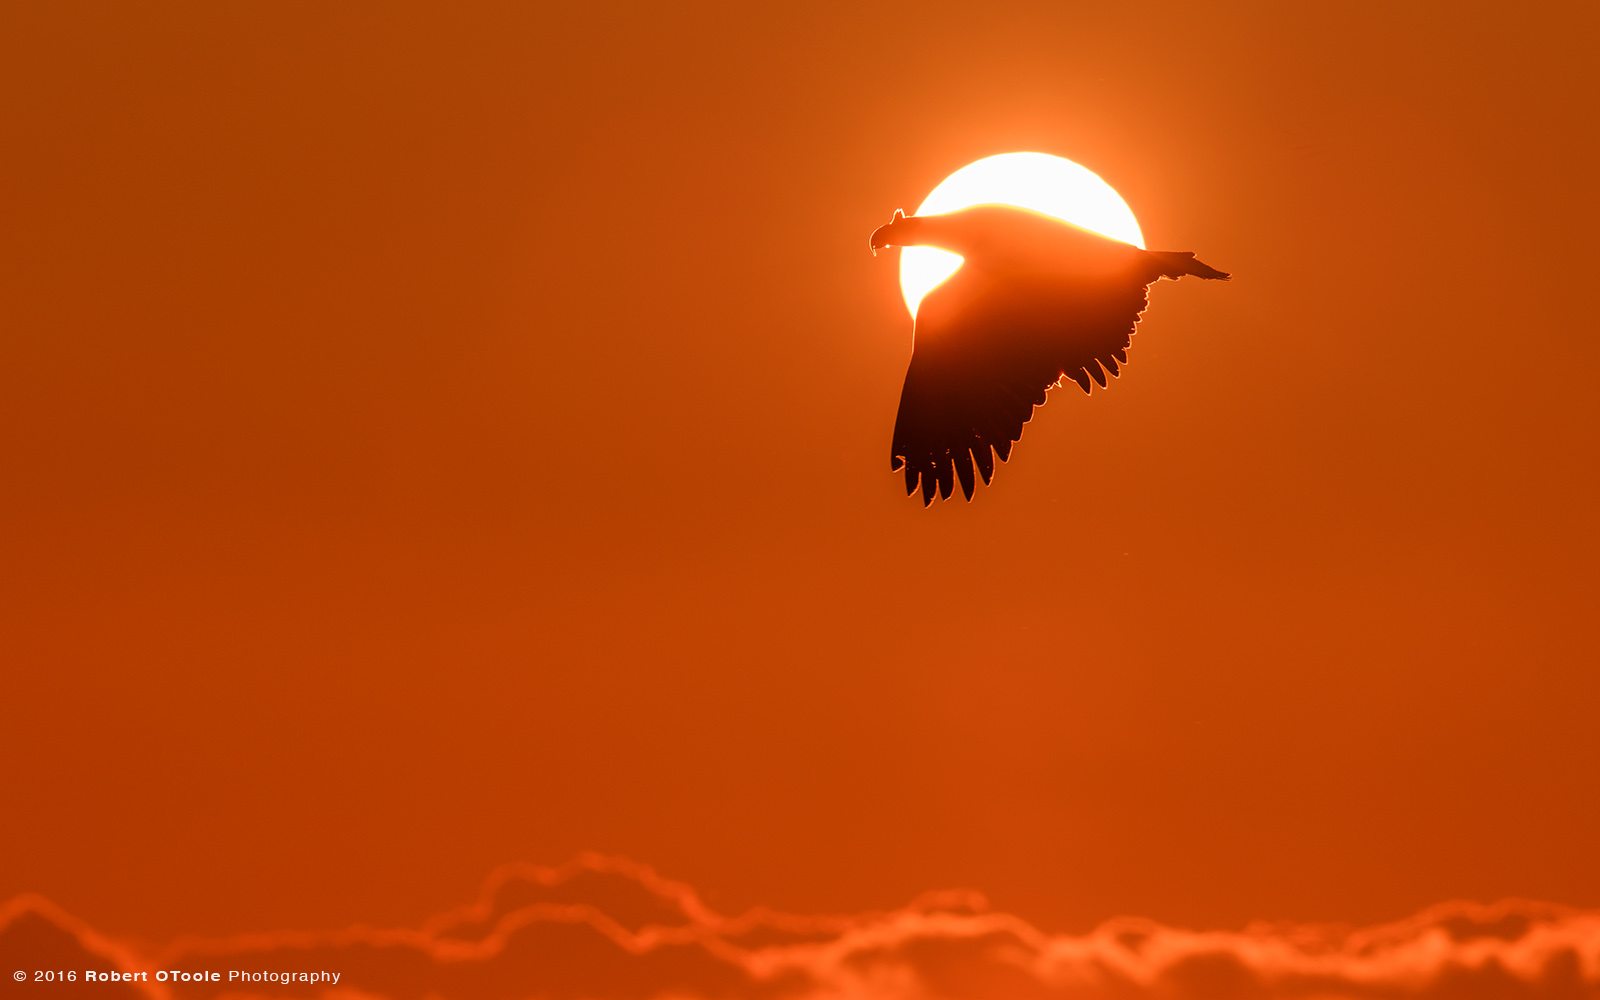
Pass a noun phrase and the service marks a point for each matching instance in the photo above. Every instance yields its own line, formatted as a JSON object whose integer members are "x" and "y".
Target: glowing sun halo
{"x": 1047, "y": 184}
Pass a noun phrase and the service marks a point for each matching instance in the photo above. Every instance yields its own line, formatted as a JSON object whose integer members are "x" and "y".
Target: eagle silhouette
{"x": 1035, "y": 300}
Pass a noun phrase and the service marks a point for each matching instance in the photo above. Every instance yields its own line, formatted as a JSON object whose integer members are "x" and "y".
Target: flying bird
{"x": 1035, "y": 301}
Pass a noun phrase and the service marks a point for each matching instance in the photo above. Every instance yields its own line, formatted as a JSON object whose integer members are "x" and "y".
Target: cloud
{"x": 603, "y": 928}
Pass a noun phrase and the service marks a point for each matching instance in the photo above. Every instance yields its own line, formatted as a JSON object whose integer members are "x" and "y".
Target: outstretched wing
{"x": 985, "y": 353}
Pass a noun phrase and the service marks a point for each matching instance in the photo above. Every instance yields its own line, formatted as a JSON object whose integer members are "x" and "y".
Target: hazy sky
{"x": 432, "y": 437}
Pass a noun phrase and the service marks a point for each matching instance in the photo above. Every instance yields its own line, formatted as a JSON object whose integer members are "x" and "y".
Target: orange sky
{"x": 435, "y": 438}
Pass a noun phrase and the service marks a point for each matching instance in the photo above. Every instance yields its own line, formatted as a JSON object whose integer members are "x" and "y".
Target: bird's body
{"x": 1036, "y": 300}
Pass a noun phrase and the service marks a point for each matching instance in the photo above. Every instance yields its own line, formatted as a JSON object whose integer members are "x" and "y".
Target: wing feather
{"x": 987, "y": 352}
{"x": 983, "y": 456}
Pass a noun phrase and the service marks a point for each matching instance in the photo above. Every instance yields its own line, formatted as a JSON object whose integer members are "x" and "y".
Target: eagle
{"x": 1035, "y": 301}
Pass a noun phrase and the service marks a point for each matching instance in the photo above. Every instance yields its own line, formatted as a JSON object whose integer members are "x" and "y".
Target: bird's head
{"x": 900, "y": 232}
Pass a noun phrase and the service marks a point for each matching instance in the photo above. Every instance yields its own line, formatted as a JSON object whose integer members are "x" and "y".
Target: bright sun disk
{"x": 1046, "y": 184}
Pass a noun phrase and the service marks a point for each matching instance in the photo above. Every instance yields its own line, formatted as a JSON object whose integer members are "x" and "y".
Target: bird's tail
{"x": 1177, "y": 263}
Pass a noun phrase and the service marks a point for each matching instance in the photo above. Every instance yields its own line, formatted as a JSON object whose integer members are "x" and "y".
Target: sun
{"x": 1047, "y": 184}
